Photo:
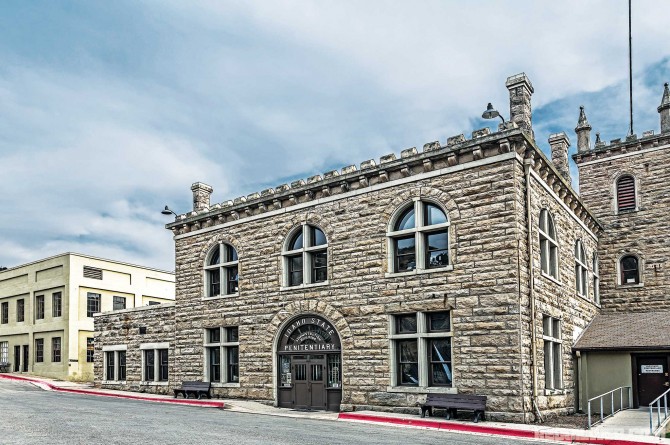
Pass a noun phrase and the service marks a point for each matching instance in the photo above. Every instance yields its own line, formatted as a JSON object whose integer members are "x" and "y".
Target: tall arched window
{"x": 419, "y": 238}
{"x": 581, "y": 271}
{"x": 548, "y": 245}
{"x": 629, "y": 267}
{"x": 596, "y": 279}
{"x": 306, "y": 256}
{"x": 625, "y": 194}
{"x": 221, "y": 272}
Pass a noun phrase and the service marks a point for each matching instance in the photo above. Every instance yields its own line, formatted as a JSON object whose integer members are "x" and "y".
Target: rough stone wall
{"x": 481, "y": 290}
{"x": 644, "y": 232}
{"x": 122, "y": 328}
{"x": 557, "y": 298}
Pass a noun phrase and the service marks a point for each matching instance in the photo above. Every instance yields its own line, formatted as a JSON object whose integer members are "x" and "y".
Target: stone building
{"x": 462, "y": 267}
{"x": 626, "y": 184}
{"x": 47, "y": 307}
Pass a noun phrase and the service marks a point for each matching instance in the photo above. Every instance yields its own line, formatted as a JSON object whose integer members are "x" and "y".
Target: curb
{"x": 489, "y": 430}
{"x": 49, "y": 386}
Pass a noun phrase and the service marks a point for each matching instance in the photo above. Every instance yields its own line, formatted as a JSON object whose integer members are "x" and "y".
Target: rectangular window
{"x": 92, "y": 272}
{"x": 55, "y": 349}
{"x": 110, "y": 364}
{"x": 162, "y": 365}
{"x": 119, "y": 303}
{"x": 90, "y": 350}
{"x": 92, "y": 304}
{"x": 421, "y": 345}
{"x": 319, "y": 267}
{"x": 214, "y": 280}
{"x": 122, "y": 365}
{"x": 20, "y": 310}
{"x": 4, "y": 351}
{"x": 222, "y": 357}
{"x": 551, "y": 330}
{"x": 39, "y": 307}
{"x": 405, "y": 254}
{"x": 57, "y": 304}
{"x": 232, "y": 279}
{"x": 39, "y": 350}
{"x": 4, "y": 317}
{"x": 295, "y": 270}
{"x": 149, "y": 372}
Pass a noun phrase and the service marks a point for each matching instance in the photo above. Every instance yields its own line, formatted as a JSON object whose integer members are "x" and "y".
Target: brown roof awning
{"x": 626, "y": 331}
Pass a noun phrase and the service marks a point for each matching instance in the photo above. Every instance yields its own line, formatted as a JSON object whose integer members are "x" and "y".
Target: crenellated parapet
{"x": 630, "y": 144}
{"x": 458, "y": 150}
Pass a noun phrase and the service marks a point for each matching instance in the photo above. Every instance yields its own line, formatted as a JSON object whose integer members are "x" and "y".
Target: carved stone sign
{"x": 309, "y": 333}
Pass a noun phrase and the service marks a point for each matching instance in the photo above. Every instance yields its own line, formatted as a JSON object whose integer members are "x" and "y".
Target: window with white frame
{"x": 115, "y": 362}
{"x": 155, "y": 362}
{"x": 305, "y": 256}
{"x": 596, "y": 279}
{"x": 581, "y": 270}
{"x": 548, "y": 245}
{"x": 421, "y": 349}
{"x": 118, "y": 303}
{"x": 4, "y": 351}
{"x": 553, "y": 366}
{"x": 222, "y": 349}
{"x": 221, "y": 271}
{"x": 419, "y": 238}
{"x": 629, "y": 270}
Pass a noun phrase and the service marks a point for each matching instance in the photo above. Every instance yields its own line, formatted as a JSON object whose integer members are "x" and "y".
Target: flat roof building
{"x": 47, "y": 307}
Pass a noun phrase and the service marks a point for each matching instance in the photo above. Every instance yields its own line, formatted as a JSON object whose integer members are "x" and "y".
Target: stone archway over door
{"x": 309, "y": 357}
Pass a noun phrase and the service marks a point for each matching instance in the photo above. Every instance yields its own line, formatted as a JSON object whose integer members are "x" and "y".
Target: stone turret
{"x": 520, "y": 92}
{"x": 664, "y": 110}
{"x": 201, "y": 195}
{"x": 559, "y": 144}
{"x": 583, "y": 131}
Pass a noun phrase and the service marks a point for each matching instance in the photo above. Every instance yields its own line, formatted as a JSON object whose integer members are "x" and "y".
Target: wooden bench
{"x": 453, "y": 402}
{"x": 4, "y": 366}
{"x": 196, "y": 388}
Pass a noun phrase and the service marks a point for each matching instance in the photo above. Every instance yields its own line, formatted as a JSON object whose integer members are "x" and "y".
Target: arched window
{"x": 596, "y": 279}
{"x": 625, "y": 194}
{"x": 306, "y": 256}
{"x": 221, "y": 272}
{"x": 419, "y": 238}
{"x": 629, "y": 266}
{"x": 548, "y": 245}
{"x": 581, "y": 271}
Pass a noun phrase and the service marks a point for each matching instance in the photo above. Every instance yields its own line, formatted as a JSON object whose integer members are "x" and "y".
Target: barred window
{"x": 39, "y": 307}
{"x": 57, "y": 304}
{"x": 119, "y": 303}
{"x": 20, "y": 310}
{"x": 221, "y": 271}
{"x": 56, "y": 349}
{"x": 92, "y": 304}
{"x": 39, "y": 350}
{"x": 4, "y": 317}
{"x": 90, "y": 350}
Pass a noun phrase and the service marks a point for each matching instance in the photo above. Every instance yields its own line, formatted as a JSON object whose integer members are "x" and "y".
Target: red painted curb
{"x": 203, "y": 403}
{"x": 491, "y": 430}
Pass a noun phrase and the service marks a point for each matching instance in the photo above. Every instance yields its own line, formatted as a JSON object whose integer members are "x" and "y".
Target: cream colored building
{"x": 47, "y": 307}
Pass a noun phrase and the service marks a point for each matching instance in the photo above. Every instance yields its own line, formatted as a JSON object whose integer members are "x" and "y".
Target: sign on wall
{"x": 651, "y": 369}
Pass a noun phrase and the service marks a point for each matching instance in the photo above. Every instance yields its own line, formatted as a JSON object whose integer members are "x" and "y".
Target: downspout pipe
{"x": 531, "y": 285}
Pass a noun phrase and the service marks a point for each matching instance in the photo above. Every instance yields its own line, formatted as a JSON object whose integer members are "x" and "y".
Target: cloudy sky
{"x": 110, "y": 110}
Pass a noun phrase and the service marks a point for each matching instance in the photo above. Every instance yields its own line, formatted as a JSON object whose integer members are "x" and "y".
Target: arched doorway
{"x": 310, "y": 365}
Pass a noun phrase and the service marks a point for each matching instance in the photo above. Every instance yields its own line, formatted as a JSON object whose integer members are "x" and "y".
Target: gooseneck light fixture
{"x": 490, "y": 113}
{"x": 167, "y": 211}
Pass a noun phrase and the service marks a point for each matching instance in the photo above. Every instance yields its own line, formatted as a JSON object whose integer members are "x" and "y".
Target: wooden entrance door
{"x": 652, "y": 378}
{"x": 309, "y": 386}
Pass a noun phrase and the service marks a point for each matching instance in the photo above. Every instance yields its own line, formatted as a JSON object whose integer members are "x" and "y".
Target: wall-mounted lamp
{"x": 490, "y": 113}
{"x": 167, "y": 211}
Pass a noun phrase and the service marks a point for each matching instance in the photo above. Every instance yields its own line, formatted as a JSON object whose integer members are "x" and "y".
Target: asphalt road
{"x": 29, "y": 415}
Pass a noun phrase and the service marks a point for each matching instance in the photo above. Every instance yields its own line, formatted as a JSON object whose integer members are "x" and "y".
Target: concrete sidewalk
{"x": 565, "y": 435}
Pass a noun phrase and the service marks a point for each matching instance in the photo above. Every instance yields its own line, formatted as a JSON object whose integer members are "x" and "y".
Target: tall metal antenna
{"x": 630, "y": 65}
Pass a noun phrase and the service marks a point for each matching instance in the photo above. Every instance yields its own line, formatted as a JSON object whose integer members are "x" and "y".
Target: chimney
{"x": 583, "y": 131}
{"x": 201, "y": 194}
{"x": 559, "y": 144}
{"x": 520, "y": 90}
{"x": 664, "y": 110}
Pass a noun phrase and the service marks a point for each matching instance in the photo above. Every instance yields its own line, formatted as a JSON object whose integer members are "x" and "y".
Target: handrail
{"x": 613, "y": 411}
{"x": 659, "y": 422}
